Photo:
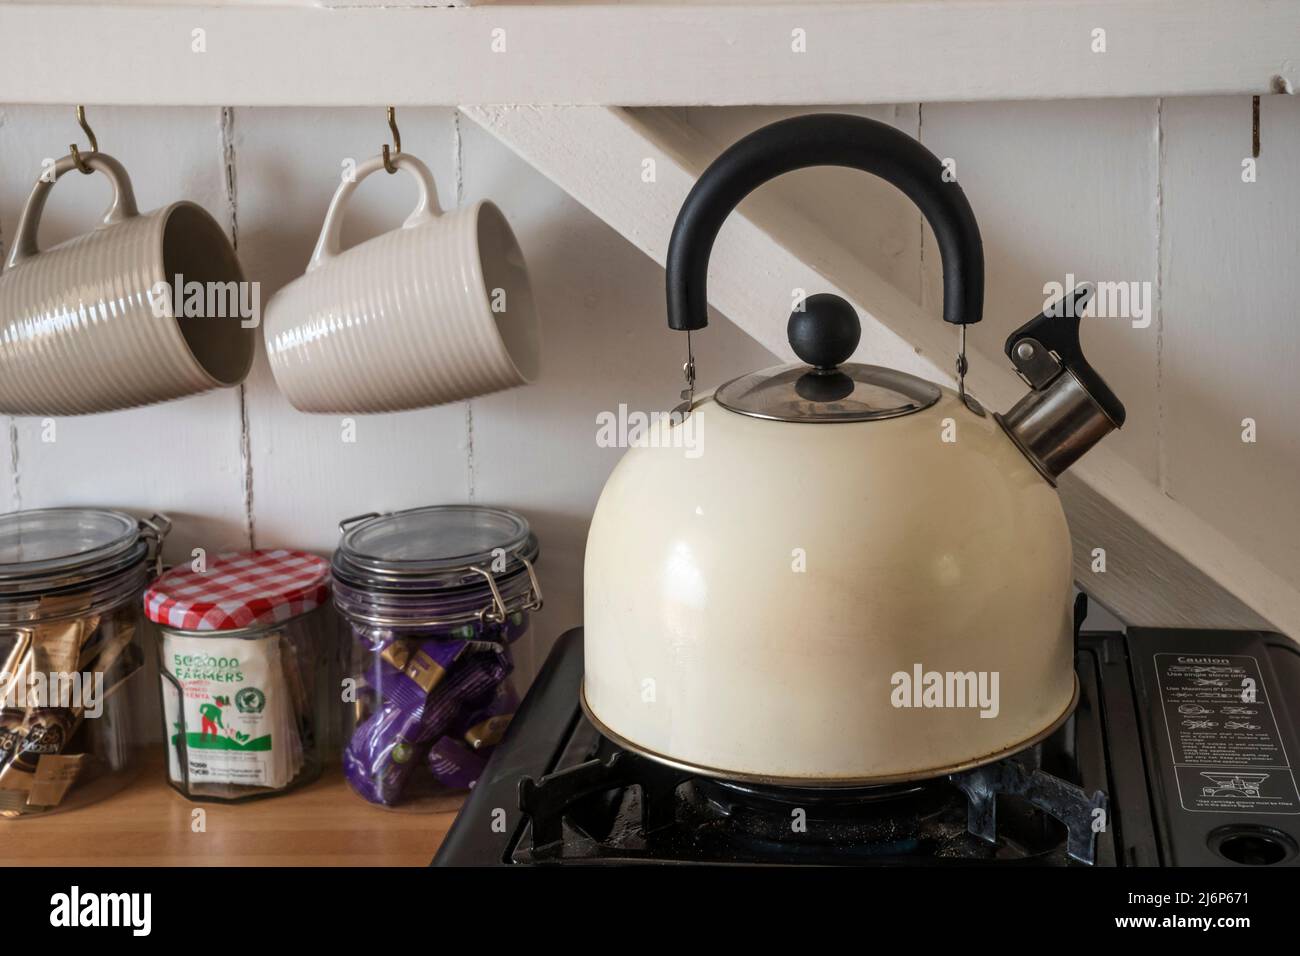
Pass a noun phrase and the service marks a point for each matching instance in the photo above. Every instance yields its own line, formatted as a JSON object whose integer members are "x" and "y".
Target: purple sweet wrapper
{"x": 481, "y": 722}
{"x": 502, "y": 699}
{"x": 387, "y": 745}
{"x": 416, "y": 669}
{"x": 379, "y": 759}
{"x": 475, "y": 676}
{"x": 454, "y": 764}
{"x": 376, "y": 638}
{"x": 373, "y": 638}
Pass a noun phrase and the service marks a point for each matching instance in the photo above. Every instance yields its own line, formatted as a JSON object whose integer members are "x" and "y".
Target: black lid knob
{"x": 825, "y": 332}
{"x": 824, "y": 386}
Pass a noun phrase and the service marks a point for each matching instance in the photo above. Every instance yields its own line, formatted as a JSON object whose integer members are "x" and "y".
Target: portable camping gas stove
{"x": 1133, "y": 778}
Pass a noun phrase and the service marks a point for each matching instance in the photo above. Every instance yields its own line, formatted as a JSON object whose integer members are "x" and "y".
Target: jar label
{"x": 237, "y": 709}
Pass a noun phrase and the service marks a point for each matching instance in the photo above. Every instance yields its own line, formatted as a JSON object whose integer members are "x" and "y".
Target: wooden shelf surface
{"x": 642, "y": 54}
{"x": 149, "y": 824}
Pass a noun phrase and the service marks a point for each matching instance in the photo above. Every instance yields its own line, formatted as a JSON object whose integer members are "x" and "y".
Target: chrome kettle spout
{"x": 1069, "y": 408}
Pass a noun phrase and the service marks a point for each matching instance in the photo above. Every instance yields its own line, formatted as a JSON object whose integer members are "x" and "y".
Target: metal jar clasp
{"x": 497, "y": 612}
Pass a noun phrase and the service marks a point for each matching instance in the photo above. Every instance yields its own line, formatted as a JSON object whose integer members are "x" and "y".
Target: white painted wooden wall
{"x": 1111, "y": 190}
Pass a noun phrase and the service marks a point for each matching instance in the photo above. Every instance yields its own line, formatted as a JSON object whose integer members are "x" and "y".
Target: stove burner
{"x": 890, "y": 821}
{"x": 853, "y": 798}
{"x": 620, "y": 805}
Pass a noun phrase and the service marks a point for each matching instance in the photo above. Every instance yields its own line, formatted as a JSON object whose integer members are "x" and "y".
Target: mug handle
{"x": 426, "y": 208}
{"x": 122, "y": 207}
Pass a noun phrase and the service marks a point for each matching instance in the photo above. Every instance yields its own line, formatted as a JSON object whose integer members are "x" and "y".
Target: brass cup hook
{"x": 397, "y": 141}
{"x": 90, "y": 135}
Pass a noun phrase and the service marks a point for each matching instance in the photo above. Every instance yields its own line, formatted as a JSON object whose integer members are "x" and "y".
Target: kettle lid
{"x": 824, "y": 387}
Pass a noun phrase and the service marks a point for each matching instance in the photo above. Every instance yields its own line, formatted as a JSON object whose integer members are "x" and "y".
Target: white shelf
{"x": 643, "y": 54}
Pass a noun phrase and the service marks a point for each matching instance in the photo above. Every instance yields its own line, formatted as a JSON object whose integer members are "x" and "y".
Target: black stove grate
{"x": 622, "y": 806}
{"x": 557, "y": 792}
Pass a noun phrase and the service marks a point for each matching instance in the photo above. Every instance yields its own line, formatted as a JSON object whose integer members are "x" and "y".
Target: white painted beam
{"x": 643, "y": 54}
{"x": 1166, "y": 566}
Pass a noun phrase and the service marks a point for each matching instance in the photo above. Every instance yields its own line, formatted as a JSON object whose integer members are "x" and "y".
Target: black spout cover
{"x": 1057, "y": 328}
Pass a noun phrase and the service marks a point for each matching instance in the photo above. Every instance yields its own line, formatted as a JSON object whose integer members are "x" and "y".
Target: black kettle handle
{"x": 824, "y": 139}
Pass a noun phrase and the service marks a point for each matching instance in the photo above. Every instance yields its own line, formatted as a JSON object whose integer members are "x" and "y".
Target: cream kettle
{"x": 836, "y": 574}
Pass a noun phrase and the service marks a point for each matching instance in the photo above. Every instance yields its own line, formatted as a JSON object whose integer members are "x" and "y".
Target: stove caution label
{"x": 1228, "y": 755}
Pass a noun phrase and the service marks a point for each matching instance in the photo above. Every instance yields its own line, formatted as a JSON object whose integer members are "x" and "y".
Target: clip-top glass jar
{"x": 70, "y": 654}
{"x": 435, "y": 597}
{"x": 244, "y": 659}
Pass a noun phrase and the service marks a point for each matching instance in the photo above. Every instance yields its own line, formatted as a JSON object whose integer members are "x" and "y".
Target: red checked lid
{"x": 248, "y": 589}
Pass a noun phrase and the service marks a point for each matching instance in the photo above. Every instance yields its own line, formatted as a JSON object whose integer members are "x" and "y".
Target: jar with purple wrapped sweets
{"x": 435, "y": 597}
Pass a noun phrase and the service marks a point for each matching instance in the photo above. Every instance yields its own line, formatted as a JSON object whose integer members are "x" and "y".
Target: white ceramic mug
{"x": 90, "y": 325}
{"x": 435, "y": 311}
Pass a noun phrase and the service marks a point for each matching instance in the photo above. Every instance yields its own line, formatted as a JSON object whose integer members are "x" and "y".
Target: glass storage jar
{"x": 70, "y": 642}
{"x": 243, "y": 658}
{"x": 434, "y": 598}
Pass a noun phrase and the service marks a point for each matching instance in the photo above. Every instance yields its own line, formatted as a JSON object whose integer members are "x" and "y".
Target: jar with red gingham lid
{"x": 244, "y": 661}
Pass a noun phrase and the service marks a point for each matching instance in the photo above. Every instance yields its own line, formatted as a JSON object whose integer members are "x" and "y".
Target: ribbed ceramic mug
{"x": 435, "y": 311}
{"x": 91, "y": 325}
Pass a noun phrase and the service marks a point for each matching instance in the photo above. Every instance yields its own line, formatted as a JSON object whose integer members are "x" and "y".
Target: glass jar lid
{"x": 844, "y": 393}
{"x": 50, "y": 539}
{"x": 435, "y": 548}
{"x": 49, "y": 548}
